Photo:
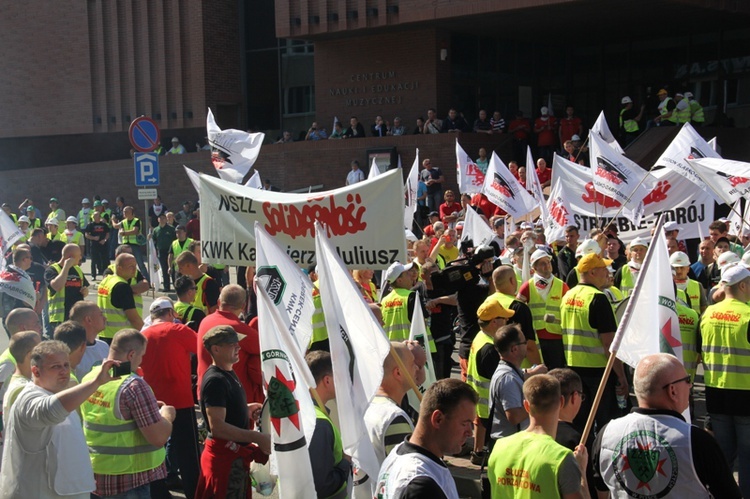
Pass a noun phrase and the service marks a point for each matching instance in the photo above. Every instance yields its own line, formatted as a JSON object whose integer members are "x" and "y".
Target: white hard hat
{"x": 85, "y": 201}
{"x": 679, "y": 259}
{"x": 24, "y": 218}
{"x": 538, "y": 255}
{"x": 626, "y": 100}
{"x": 52, "y": 221}
{"x": 727, "y": 258}
{"x": 640, "y": 241}
{"x": 72, "y": 219}
{"x": 689, "y": 95}
{"x": 588, "y": 246}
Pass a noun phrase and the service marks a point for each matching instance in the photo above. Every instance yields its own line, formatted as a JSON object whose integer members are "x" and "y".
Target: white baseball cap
{"x": 626, "y": 100}
{"x": 670, "y": 226}
{"x": 538, "y": 255}
{"x": 588, "y": 246}
{"x": 726, "y": 259}
{"x": 395, "y": 271}
{"x": 679, "y": 259}
{"x": 161, "y": 304}
{"x": 734, "y": 274}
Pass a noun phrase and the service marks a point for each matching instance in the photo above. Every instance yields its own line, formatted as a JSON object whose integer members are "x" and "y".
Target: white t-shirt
{"x": 355, "y": 176}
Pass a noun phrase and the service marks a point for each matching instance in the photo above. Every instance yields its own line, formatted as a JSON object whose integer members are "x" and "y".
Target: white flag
{"x": 374, "y": 170}
{"x": 476, "y": 229}
{"x": 9, "y": 235}
{"x": 650, "y": 324}
{"x": 729, "y": 180}
{"x": 550, "y": 109}
{"x": 287, "y": 381}
{"x": 735, "y": 219}
{"x": 560, "y": 214}
{"x": 254, "y": 181}
{"x": 687, "y": 144}
{"x": 358, "y": 348}
{"x": 616, "y": 176}
{"x": 289, "y": 288}
{"x": 534, "y": 186}
{"x": 714, "y": 145}
{"x": 470, "y": 177}
{"x": 410, "y": 192}
{"x": 195, "y": 179}
{"x": 154, "y": 267}
{"x": 503, "y": 190}
{"x": 418, "y": 332}
{"x": 233, "y": 152}
{"x": 601, "y": 128}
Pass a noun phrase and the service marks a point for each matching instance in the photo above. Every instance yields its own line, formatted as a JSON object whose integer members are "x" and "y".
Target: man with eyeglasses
{"x": 725, "y": 340}
{"x": 653, "y": 451}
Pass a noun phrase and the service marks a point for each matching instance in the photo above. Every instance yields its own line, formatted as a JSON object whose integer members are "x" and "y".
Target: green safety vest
{"x": 7, "y": 356}
{"x": 34, "y": 224}
{"x": 56, "y": 237}
{"x": 116, "y": 446}
{"x": 630, "y": 126}
{"x": 138, "y": 298}
{"x": 319, "y": 333}
{"x": 552, "y": 306}
{"x": 185, "y": 311}
{"x": 76, "y": 238}
{"x": 55, "y": 214}
{"x": 396, "y": 320}
{"x": 696, "y": 112}
{"x": 689, "y": 320}
{"x": 479, "y": 383}
{"x": 526, "y": 465}
{"x": 116, "y": 318}
{"x": 14, "y": 217}
{"x": 627, "y": 281}
{"x": 338, "y": 447}
{"x": 128, "y": 225}
{"x": 683, "y": 115}
{"x": 583, "y": 348}
{"x": 57, "y": 301}
{"x": 694, "y": 293}
{"x": 200, "y": 285}
{"x": 663, "y": 111}
{"x": 726, "y": 351}
{"x": 178, "y": 248}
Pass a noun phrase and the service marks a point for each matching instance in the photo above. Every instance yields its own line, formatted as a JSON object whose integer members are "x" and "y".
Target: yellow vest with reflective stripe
{"x": 696, "y": 112}
{"x": 338, "y": 447}
{"x": 179, "y": 248}
{"x": 726, "y": 351}
{"x": 116, "y": 318}
{"x": 663, "y": 111}
{"x": 506, "y": 301}
{"x": 539, "y": 307}
{"x": 137, "y": 297}
{"x": 116, "y": 446}
{"x": 129, "y": 225}
{"x": 320, "y": 333}
{"x": 683, "y": 115}
{"x": 629, "y": 126}
{"x": 198, "y": 300}
{"x": 479, "y": 383}
{"x": 583, "y": 348}
{"x": 694, "y": 293}
{"x": 57, "y": 301}
{"x": 75, "y": 238}
{"x": 396, "y": 320}
{"x": 627, "y": 280}
{"x": 689, "y": 320}
{"x": 184, "y": 311}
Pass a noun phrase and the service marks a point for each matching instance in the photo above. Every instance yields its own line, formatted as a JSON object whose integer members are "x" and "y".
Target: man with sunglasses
{"x": 653, "y": 451}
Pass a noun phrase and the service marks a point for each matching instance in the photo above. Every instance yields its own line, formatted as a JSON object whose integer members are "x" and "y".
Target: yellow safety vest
{"x": 629, "y": 126}
{"x": 178, "y": 248}
{"x": 185, "y": 311}
{"x": 129, "y": 225}
{"x": 319, "y": 333}
{"x": 627, "y": 281}
{"x": 683, "y": 115}
{"x": 689, "y": 321}
{"x": 552, "y": 306}
{"x": 338, "y": 448}
{"x": 55, "y": 214}
{"x": 76, "y": 238}
{"x": 57, "y": 301}
{"x": 583, "y": 348}
{"x": 396, "y": 320}
{"x": 198, "y": 302}
{"x": 116, "y": 318}
{"x": 694, "y": 293}
{"x": 696, "y": 112}
{"x": 138, "y": 298}
{"x": 663, "y": 111}
{"x": 726, "y": 351}
{"x": 479, "y": 383}
{"x": 116, "y": 446}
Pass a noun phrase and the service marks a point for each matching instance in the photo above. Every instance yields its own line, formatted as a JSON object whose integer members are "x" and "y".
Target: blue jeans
{"x": 733, "y": 436}
{"x": 434, "y": 200}
{"x": 138, "y": 254}
{"x": 142, "y": 492}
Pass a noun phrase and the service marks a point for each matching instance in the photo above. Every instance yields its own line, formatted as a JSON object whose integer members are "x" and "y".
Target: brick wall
{"x": 289, "y": 166}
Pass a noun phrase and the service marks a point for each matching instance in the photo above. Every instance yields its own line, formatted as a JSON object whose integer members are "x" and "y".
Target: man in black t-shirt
{"x": 433, "y": 179}
{"x": 97, "y": 232}
{"x": 227, "y": 415}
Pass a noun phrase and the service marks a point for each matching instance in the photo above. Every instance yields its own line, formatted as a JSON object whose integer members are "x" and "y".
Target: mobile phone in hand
{"x": 122, "y": 370}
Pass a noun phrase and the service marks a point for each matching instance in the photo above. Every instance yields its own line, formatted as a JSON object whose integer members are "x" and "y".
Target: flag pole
{"x": 403, "y": 369}
{"x": 615, "y": 345}
{"x": 317, "y": 398}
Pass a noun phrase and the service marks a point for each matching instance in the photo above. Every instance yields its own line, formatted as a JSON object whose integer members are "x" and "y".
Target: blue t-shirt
{"x": 421, "y": 191}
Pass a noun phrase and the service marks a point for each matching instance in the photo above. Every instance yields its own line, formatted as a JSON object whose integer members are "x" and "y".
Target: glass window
{"x": 299, "y": 100}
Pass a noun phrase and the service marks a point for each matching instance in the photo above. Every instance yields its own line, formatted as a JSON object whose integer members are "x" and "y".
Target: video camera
{"x": 462, "y": 273}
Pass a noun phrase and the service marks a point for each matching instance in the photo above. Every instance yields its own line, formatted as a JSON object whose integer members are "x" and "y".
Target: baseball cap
{"x": 592, "y": 261}
{"x": 161, "y": 304}
{"x": 588, "y": 246}
{"x": 52, "y": 221}
{"x": 180, "y": 227}
{"x": 626, "y": 100}
{"x": 395, "y": 270}
{"x": 97, "y": 203}
{"x": 221, "y": 334}
{"x": 640, "y": 241}
{"x": 670, "y": 226}
{"x": 85, "y": 201}
{"x": 661, "y": 92}
{"x": 53, "y": 200}
{"x": 727, "y": 259}
{"x": 538, "y": 255}
{"x": 433, "y": 214}
{"x": 72, "y": 219}
{"x": 575, "y": 137}
{"x": 30, "y": 208}
{"x": 734, "y": 274}
{"x": 491, "y": 309}
{"x": 679, "y": 259}
{"x": 24, "y": 218}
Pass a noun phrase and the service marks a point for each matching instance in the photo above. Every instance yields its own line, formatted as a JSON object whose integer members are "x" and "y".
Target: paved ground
{"x": 466, "y": 474}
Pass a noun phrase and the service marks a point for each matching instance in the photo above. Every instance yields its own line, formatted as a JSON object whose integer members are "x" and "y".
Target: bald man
{"x": 66, "y": 285}
{"x": 116, "y": 299}
{"x": 653, "y": 451}
{"x": 506, "y": 286}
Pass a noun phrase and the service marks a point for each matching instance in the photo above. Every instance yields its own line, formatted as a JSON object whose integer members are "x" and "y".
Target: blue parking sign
{"x": 146, "y": 169}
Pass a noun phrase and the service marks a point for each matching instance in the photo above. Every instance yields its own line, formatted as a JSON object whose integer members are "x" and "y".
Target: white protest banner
{"x": 504, "y": 190}
{"x": 233, "y": 152}
{"x": 535, "y": 187}
{"x": 476, "y": 229}
{"x": 289, "y": 288}
{"x": 410, "y": 192}
{"x": 601, "y": 128}
{"x": 735, "y": 219}
{"x": 287, "y": 382}
{"x": 418, "y": 333}
{"x": 9, "y": 235}
{"x": 470, "y": 177}
{"x": 17, "y": 284}
{"x": 254, "y": 181}
{"x": 616, "y": 176}
{"x": 674, "y": 195}
{"x": 560, "y": 214}
{"x": 374, "y": 170}
{"x": 355, "y": 216}
{"x": 687, "y": 145}
{"x": 358, "y": 348}
{"x": 729, "y": 180}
